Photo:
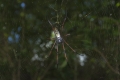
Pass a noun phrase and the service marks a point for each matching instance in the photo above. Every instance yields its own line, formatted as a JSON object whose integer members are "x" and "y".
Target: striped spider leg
{"x": 59, "y": 40}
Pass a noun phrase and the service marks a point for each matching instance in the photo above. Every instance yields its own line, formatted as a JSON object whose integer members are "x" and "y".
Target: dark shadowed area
{"x": 91, "y": 29}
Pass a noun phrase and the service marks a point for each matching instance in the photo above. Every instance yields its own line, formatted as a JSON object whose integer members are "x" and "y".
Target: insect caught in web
{"x": 59, "y": 40}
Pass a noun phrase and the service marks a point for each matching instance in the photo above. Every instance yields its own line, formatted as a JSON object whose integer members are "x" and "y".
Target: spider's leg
{"x": 66, "y": 55}
{"x": 51, "y": 24}
{"x": 63, "y": 23}
{"x": 67, "y": 35}
{"x": 64, "y": 51}
{"x": 69, "y": 46}
{"x": 57, "y": 54}
{"x": 51, "y": 49}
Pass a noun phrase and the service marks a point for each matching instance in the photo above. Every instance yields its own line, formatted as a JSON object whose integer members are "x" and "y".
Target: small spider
{"x": 59, "y": 40}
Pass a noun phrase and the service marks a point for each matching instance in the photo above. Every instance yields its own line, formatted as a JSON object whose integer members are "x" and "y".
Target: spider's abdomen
{"x": 59, "y": 39}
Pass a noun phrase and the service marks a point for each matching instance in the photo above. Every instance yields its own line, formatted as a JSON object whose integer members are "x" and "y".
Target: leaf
{"x": 118, "y": 4}
{"x": 63, "y": 64}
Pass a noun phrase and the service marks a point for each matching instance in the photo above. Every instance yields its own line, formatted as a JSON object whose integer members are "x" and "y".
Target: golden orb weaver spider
{"x": 59, "y": 40}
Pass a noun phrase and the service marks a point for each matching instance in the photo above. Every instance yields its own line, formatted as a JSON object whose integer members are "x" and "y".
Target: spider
{"x": 59, "y": 40}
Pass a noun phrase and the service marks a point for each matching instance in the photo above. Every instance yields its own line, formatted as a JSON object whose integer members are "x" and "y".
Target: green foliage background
{"x": 94, "y": 28}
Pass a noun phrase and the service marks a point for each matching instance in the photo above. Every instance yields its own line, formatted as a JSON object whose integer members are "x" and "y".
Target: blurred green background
{"x": 94, "y": 28}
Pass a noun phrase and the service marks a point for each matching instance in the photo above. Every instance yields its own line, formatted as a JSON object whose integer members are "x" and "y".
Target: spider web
{"x": 94, "y": 34}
